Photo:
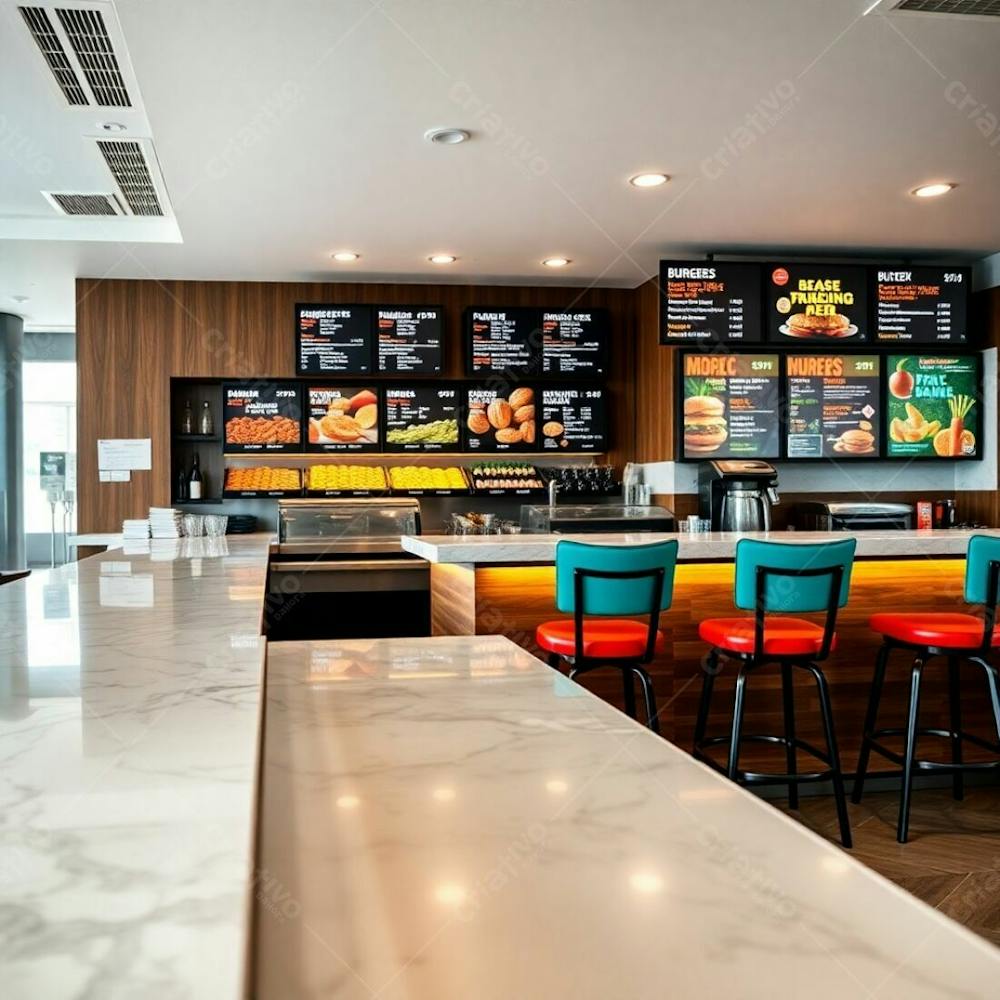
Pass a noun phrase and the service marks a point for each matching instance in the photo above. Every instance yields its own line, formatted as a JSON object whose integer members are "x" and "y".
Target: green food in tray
{"x": 436, "y": 432}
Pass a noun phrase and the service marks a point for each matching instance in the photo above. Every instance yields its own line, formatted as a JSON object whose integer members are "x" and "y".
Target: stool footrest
{"x": 765, "y": 777}
{"x": 809, "y": 748}
{"x": 944, "y": 734}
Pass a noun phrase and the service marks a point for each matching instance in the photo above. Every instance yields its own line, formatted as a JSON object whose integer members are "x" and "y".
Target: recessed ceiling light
{"x": 345, "y": 256}
{"x": 648, "y": 180}
{"x": 932, "y": 190}
{"x": 19, "y": 299}
{"x": 556, "y": 261}
{"x": 442, "y": 258}
{"x": 111, "y": 127}
{"x": 447, "y": 136}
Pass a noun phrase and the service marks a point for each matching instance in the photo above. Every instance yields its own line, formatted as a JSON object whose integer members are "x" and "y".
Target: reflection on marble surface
{"x": 438, "y": 822}
{"x": 128, "y": 734}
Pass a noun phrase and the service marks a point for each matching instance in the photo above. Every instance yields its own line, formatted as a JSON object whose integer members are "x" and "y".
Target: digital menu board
{"x": 421, "y": 418}
{"x": 933, "y": 406}
{"x": 408, "y": 339}
{"x": 730, "y": 406}
{"x": 575, "y": 342}
{"x": 921, "y": 305}
{"x": 501, "y": 419}
{"x": 833, "y": 405}
{"x": 262, "y": 416}
{"x": 712, "y": 303}
{"x": 333, "y": 339}
{"x": 342, "y": 419}
{"x": 573, "y": 419}
{"x": 816, "y": 303}
{"x": 504, "y": 340}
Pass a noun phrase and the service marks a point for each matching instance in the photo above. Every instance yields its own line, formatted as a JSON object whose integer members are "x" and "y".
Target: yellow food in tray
{"x": 345, "y": 477}
{"x": 420, "y": 477}
{"x": 263, "y": 478}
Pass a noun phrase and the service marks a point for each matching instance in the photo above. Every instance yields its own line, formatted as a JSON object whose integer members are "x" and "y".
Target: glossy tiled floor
{"x": 952, "y": 860}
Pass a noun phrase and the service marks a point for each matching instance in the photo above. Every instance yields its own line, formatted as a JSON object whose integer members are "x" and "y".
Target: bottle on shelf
{"x": 187, "y": 418}
{"x": 207, "y": 425}
{"x": 195, "y": 482}
{"x": 182, "y": 485}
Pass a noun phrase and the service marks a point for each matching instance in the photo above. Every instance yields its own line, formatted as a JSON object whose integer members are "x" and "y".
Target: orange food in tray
{"x": 263, "y": 478}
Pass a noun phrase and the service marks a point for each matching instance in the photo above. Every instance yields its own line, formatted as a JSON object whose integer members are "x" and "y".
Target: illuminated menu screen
{"x": 573, "y": 420}
{"x": 921, "y": 305}
{"x": 833, "y": 405}
{"x": 501, "y": 419}
{"x": 714, "y": 303}
{"x": 342, "y": 419}
{"x": 408, "y": 339}
{"x": 933, "y": 407}
{"x": 575, "y": 343}
{"x": 421, "y": 418}
{"x": 504, "y": 340}
{"x": 262, "y": 416}
{"x": 816, "y": 303}
{"x": 333, "y": 339}
{"x": 730, "y": 406}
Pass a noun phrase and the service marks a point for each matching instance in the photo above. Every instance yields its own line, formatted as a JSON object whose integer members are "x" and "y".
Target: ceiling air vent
{"x": 86, "y": 204}
{"x": 55, "y": 55}
{"x": 127, "y": 163}
{"x": 91, "y": 42}
{"x": 938, "y": 8}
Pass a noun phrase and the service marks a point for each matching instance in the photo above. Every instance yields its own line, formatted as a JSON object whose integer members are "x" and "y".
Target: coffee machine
{"x": 737, "y": 495}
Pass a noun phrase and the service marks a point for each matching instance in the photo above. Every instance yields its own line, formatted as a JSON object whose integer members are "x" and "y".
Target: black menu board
{"x": 730, "y": 406}
{"x": 710, "y": 303}
{"x": 421, "y": 418}
{"x": 333, "y": 339}
{"x": 921, "y": 305}
{"x": 504, "y": 340}
{"x": 573, "y": 420}
{"x": 262, "y": 416}
{"x": 816, "y": 303}
{"x": 575, "y": 342}
{"x": 408, "y": 339}
{"x": 501, "y": 419}
{"x": 342, "y": 419}
{"x": 833, "y": 405}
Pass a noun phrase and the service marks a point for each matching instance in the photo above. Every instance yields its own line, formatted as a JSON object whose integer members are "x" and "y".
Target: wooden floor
{"x": 952, "y": 860}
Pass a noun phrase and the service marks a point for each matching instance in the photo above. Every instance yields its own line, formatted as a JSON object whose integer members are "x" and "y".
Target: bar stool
{"x": 957, "y": 636}
{"x": 774, "y": 577}
{"x": 604, "y": 581}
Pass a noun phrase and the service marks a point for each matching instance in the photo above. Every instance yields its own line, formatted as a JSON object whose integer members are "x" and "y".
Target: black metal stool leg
{"x": 788, "y": 697}
{"x": 839, "y": 795}
{"x": 993, "y": 683}
{"x": 628, "y": 683}
{"x": 909, "y": 751}
{"x": 871, "y": 717}
{"x": 955, "y": 703}
{"x": 737, "y": 730}
{"x": 710, "y": 669}
{"x": 554, "y": 660}
{"x": 652, "y": 713}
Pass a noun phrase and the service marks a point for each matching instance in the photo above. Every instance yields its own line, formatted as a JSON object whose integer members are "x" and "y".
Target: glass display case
{"x": 304, "y": 521}
{"x": 579, "y": 519}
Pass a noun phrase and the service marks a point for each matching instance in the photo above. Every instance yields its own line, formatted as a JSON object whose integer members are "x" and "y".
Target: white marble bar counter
{"x": 526, "y": 549}
{"x": 130, "y": 697}
{"x": 449, "y": 818}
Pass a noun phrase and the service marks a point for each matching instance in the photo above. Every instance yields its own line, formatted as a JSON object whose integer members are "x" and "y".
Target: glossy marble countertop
{"x": 130, "y": 693}
{"x": 449, "y": 818}
{"x": 522, "y": 549}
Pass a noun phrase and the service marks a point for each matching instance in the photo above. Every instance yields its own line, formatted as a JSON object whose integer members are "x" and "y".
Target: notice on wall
{"x": 124, "y": 453}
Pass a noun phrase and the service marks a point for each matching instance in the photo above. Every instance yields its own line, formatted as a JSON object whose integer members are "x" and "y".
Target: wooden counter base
{"x": 513, "y": 600}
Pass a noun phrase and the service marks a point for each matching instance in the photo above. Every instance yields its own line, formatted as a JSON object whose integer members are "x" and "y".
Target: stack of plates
{"x": 241, "y": 524}
{"x": 135, "y": 528}
{"x": 165, "y": 522}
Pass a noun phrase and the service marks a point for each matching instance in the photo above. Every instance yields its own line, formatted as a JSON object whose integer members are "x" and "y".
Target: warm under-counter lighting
{"x": 648, "y": 180}
{"x": 442, "y": 258}
{"x": 345, "y": 256}
{"x": 932, "y": 190}
{"x": 556, "y": 261}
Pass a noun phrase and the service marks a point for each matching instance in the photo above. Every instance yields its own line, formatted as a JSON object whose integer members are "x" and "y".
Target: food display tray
{"x": 268, "y": 494}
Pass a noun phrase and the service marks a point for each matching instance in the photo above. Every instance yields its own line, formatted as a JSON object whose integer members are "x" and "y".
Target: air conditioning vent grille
{"x": 87, "y": 204}
{"x": 91, "y": 42}
{"x": 54, "y": 54}
{"x": 127, "y": 164}
{"x": 977, "y": 8}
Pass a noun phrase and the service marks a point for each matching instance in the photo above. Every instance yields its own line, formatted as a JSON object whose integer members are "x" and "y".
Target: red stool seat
{"x": 950, "y": 629}
{"x": 603, "y": 638}
{"x": 782, "y": 636}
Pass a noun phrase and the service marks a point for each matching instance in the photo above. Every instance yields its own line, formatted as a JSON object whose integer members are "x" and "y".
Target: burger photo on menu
{"x": 705, "y": 427}
{"x": 817, "y": 302}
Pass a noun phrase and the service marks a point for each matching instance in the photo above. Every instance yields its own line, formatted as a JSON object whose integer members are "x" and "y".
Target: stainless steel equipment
{"x": 738, "y": 495}
{"x": 339, "y": 571}
{"x": 586, "y": 519}
{"x": 817, "y": 515}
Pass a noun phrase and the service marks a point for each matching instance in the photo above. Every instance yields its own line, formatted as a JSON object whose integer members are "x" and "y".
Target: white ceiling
{"x": 288, "y": 130}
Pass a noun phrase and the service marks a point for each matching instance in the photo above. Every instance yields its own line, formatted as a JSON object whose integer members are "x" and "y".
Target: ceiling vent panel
{"x": 86, "y": 204}
{"x": 88, "y": 35}
{"x": 127, "y": 163}
{"x": 973, "y": 8}
{"x": 54, "y": 54}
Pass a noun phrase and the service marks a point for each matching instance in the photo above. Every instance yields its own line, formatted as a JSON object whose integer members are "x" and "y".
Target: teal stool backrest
{"x": 791, "y": 594}
{"x": 614, "y": 597}
{"x": 983, "y": 549}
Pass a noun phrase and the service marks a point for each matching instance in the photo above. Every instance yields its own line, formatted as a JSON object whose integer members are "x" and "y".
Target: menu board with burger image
{"x": 833, "y": 405}
{"x": 730, "y": 406}
{"x": 421, "y": 418}
{"x": 408, "y": 339}
{"x": 262, "y": 416}
{"x": 342, "y": 419}
{"x": 921, "y": 305}
{"x": 504, "y": 340}
{"x": 574, "y": 342}
{"x": 933, "y": 406}
{"x": 572, "y": 419}
{"x": 712, "y": 303}
{"x": 333, "y": 339}
{"x": 817, "y": 303}
{"x": 501, "y": 419}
